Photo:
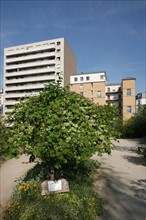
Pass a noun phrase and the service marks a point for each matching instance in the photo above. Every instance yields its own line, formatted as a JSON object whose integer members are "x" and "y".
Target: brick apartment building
{"x": 94, "y": 86}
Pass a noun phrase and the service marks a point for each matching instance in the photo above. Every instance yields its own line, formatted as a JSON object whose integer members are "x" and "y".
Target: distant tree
{"x": 59, "y": 126}
{"x": 3, "y": 135}
{"x": 135, "y": 127}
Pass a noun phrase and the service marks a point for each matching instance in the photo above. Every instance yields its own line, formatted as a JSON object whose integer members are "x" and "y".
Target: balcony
{"x": 30, "y": 79}
{"x": 30, "y": 50}
{"x": 8, "y": 110}
{"x": 32, "y": 64}
{"x": 30, "y": 57}
{"x": 25, "y": 87}
{"x": 34, "y": 71}
{"x": 11, "y": 103}
{"x": 19, "y": 94}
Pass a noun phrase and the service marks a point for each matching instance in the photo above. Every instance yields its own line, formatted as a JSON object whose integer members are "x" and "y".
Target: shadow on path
{"x": 125, "y": 200}
{"x": 137, "y": 160}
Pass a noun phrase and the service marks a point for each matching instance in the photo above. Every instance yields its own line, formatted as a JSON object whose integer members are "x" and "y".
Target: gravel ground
{"x": 121, "y": 181}
{"x": 10, "y": 171}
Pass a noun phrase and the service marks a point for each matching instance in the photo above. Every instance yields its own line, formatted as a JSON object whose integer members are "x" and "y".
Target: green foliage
{"x": 4, "y": 132}
{"x": 57, "y": 207}
{"x": 135, "y": 127}
{"x": 84, "y": 170}
{"x": 81, "y": 203}
{"x": 60, "y": 127}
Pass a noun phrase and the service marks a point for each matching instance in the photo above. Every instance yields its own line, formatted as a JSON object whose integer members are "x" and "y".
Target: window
{"x": 81, "y": 86}
{"x": 87, "y": 78}
{"x": 138, "y": 102}
{"x": 58, "y": 43}
{"x": 101, "y": 76}
{"x": 128, "y": 108}
{"x": 119, "y": 104}
{"x": 129, "y": 92}
{"x": 119, "y": 96}
{"x": 99, "y": 93}
{"x": 119, "y": 89}
{"x": 108, "y": 97}
{"x": 58, "y": 58}
{"x": 81, "y": 78}
{"x": 81, "y": 93}
{"x": 75, "y": 79}
{"x": 108, "y": 89}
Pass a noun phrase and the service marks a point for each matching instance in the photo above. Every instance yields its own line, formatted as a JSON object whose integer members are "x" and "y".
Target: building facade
{"x": 1, "y": 102}
{"x": 140, "y": 99}
{"x": 90, "y": 85}
{"x": 27, "y": 68}
{"x": 114, "y": 95}
{"x": 128, "y": 96}
{"x": 94, "y": 86}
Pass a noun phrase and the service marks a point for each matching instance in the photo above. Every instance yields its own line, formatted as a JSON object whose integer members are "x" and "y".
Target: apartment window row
{"x": 30, "y": 68}
{"x": 32, "y": 61}
{"x": 45, "y": 51}
{"x": 29, "y": 76}
{"x": 87, "y": 78}
{"x": 12, "y": 99}
{"x": 23, "y": 91}
{"x": 99, "y": 94}
{"x": 114, "y": 90}
{"x": 34, "y": 46}
{"x": 27, "y": 84}
{"x": 31, "y": 81}
{"x": 116, "y": 97}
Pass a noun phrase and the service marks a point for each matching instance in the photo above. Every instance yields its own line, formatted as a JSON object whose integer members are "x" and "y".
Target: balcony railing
{"x": 32, "y": 64}
{"x": 19, "y": 95}
{"x": 30, "y": 57}
{"x": 25, "y": 87}
{"x": 30, "y": 79}
{"x": 30, "y": 50}
{"x": 31, "y": 71}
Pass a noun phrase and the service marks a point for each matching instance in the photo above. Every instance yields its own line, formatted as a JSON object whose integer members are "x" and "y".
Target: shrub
{"x": 135, "y": 127}
{"x": 60, "y": 127}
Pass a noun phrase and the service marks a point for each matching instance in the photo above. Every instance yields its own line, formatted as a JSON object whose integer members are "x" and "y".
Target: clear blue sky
{"x": 104, "y": 35}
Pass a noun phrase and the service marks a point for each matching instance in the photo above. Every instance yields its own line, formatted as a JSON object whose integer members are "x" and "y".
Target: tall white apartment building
{"x": 27, "y": 68}
{"x": 1, "y": 102}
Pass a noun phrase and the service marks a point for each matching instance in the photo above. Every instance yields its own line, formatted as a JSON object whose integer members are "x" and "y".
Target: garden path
{"x": 10, "y": 171}
{"x": 121, "y": 181}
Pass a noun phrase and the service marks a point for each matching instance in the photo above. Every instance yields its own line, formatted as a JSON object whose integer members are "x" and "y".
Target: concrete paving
{"x": 121, "y": 181}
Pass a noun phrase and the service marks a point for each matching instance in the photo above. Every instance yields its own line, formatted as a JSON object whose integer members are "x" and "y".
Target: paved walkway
{"x": 9, "y": 172}
{"x": 121, "y": 181}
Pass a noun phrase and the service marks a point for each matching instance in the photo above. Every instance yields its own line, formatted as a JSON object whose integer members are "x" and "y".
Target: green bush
{"x": 4, "y": 134}
{"x": 60, "y": 127}
{"x": 135, "y": 127}
{"x": 57, "y": 207}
